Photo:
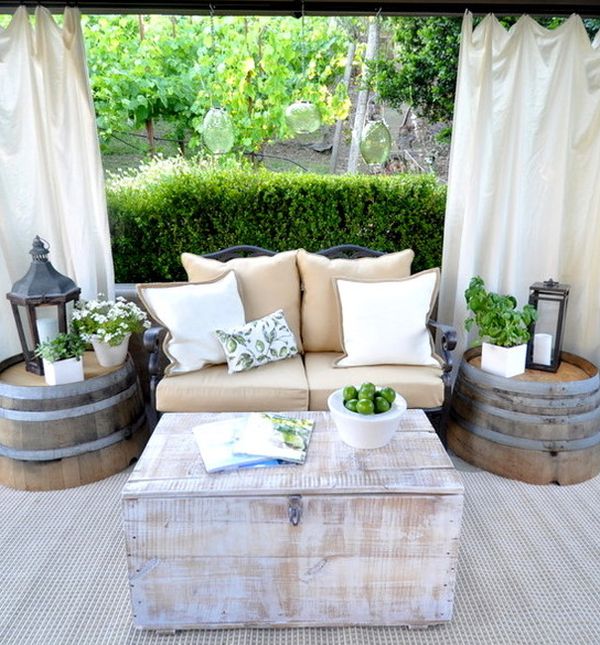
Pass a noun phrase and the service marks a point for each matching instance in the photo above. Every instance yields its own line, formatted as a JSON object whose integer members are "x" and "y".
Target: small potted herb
{"x": 503, "y": 329}
{"x": 61, "y": 357}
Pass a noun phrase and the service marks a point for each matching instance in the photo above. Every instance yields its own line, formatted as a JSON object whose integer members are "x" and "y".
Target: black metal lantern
{"x": 39, "y": 303}
{"x": 550, "y": 299}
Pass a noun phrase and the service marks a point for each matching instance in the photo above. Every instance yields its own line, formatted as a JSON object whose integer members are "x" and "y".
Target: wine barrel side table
{"x": 538, "y": 427}
{"x": 54, "y": 437}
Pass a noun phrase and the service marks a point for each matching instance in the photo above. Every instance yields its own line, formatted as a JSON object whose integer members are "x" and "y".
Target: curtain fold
{"x": 523, "y": 188}
{"x": 51, "y": 179}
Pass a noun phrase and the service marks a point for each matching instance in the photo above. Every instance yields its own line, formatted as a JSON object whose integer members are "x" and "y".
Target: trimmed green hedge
{"x": 206, "y": 211}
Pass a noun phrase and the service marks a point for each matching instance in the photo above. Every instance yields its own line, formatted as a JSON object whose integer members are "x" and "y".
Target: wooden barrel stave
{"x": 538, "y": 432}
{"x": 99, "y": 430}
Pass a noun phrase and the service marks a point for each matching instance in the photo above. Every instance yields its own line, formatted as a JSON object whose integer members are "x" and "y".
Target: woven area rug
{"x": 528, "y": 572}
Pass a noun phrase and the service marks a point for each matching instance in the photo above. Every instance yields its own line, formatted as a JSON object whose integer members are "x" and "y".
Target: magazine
{"x": 216, "y": 441}
{"x": 275, "y": 436}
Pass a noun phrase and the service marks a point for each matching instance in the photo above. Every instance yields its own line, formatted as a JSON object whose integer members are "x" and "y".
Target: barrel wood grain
{"x": 55, "y": 437}
{"x": 377, "y": 541}
{"x": 539, "y": 428}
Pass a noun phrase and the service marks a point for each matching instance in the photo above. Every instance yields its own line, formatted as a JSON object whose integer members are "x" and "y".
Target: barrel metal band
{"x": 78, "y": 449}
{"x": 511, "y": 441}
{"x": 67, "y": 413}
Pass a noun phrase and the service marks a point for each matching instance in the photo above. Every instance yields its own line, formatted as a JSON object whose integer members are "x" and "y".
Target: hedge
{"x": 208, "y": 210}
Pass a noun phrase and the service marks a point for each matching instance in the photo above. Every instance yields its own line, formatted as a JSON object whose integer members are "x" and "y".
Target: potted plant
{"x": 61, "y": 357}
{"x": 503, "y": 329}
{"x": 108, "y": 324}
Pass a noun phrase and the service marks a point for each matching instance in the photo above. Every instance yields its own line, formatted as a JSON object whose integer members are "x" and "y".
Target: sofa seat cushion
{"x": 272, "y": 387}
{"x": 420, "y": 385}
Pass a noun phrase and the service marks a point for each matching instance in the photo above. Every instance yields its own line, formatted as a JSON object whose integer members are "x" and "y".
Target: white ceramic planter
{"x": 111, "y": 355}
{"x": 503, "y": 361}
{"x": 69, "y": 370}
{"x": 365, "y": 431}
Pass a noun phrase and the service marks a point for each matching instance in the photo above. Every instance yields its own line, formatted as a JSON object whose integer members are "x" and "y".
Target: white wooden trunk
{"x": 376, "y": 543}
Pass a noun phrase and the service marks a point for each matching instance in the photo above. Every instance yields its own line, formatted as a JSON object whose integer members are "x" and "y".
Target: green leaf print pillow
{"x": 261, "y": 341}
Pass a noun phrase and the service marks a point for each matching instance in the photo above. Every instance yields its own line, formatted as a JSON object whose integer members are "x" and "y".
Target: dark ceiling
{"x": 323, "y": 7}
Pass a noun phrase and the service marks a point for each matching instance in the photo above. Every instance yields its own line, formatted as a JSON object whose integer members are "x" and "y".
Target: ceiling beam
{"x": 319, "y": 7}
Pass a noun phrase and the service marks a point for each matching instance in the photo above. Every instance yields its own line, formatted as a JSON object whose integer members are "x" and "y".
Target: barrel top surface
{"x": 18, "y": 376}
{"x": 571, "y": 368}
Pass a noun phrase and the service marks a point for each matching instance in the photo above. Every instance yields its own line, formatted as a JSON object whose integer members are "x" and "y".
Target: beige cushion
{"x": 266, "y": 283}
{"x": 191, "y": 313}
{"x": 320, "y": 317}
{"x": 384, "y": 322}
{"x": 273, "y": 387}
{"x": 421, "y": 386}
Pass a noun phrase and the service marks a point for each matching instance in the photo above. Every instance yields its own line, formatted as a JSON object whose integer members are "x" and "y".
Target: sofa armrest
{"x": 153, "y": 338}
{"x": 446, "y": 335}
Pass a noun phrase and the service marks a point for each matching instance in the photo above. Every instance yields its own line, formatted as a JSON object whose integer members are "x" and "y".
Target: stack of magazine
{"x": 254, "y": 439}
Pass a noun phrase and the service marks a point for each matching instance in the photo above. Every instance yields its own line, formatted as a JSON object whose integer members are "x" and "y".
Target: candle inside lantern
{"x": 47, "y": 328}
{"x": 542, "y": 349}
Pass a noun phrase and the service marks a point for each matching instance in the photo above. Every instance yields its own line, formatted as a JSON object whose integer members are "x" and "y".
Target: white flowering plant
{"x": 108, "y": 321}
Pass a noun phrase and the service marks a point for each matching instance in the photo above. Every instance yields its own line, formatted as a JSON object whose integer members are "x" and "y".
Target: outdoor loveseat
{"x": 345, "y": 304}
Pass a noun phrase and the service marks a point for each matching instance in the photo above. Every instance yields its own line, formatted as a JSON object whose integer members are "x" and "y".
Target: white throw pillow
{"x": 191, "y": 312}
{"x": 261, "y": 341}
{"x": 385, "y": 322}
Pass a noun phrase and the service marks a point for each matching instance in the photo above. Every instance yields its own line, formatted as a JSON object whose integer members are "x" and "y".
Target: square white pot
{"x": 69, "y": 370}
{"x": 503, "y": 361}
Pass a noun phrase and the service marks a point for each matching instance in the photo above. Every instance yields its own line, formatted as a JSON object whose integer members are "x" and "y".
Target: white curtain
{"x": 51, "y": 181}
{"x": 524, "y": 180}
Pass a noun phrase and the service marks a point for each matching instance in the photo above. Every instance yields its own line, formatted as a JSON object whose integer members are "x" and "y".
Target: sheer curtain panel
{"x": 51, "y": 181}
{"x": 524, "y": 185}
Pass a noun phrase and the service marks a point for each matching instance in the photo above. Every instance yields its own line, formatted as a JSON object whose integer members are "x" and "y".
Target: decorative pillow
{"x": 267, "y": 283}
{"x": 385, "y": 323}
{"x": 191, "y": 313}
{"x": 261, "y": 341}
{"x": 320, "y": 316}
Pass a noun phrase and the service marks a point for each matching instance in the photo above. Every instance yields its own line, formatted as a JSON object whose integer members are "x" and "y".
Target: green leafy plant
{"x": 155, "y": 218}
{"x": 61, "y": 347}
{"x": 109, "y": 321}
{"x": 497, "y": 318}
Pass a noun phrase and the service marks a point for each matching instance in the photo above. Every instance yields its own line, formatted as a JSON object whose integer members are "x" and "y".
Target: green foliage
{"x": 175, "y": 74}
{"x": 202, "y": 211}
{"x": 61, "y": 347}
{"x": 496, "y": 316}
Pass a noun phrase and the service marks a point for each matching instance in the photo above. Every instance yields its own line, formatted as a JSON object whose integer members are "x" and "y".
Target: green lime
{"x": 351, "y": 404}
{"x": 365, "y": 406}
{"x": 349, "y": 392}
{"x": 366, "y": 391}
{"x": 388, "y": 394}
{"x": 381, "y": 405}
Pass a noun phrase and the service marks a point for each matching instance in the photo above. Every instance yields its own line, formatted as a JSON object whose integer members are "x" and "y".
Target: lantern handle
{"x": 550, "y": 283}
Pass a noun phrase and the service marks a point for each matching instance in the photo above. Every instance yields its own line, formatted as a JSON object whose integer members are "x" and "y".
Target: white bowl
{"x": 365, "y": 430}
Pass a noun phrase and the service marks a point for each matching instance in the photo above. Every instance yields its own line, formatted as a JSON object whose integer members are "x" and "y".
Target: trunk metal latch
{"x": 294, "y": 509}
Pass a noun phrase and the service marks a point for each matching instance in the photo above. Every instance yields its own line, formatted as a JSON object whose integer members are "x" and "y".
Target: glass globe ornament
{"x": 302, "y": 117}
{"x": 217, "y": 131}
{"x": 375, "y": 142}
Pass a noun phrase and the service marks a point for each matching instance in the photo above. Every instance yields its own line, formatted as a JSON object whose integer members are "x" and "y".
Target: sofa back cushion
{"x": 267, "y": 283}
{"x": 321, "y": 329}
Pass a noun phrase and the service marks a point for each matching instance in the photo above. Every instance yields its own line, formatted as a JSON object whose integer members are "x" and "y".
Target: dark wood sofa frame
{"x": 444, "y": 335}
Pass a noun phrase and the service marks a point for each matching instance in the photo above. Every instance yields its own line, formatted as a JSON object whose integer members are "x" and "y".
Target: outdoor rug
{"x": 528, "y": 572}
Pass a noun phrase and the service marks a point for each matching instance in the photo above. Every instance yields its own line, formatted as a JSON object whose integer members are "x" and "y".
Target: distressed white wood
{"x": 377, "y": 541}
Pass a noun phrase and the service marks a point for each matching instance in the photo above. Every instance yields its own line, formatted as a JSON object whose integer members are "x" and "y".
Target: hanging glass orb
{"x": 302, "y": 117}
{"x": 217, "y": 131}
{"x": 375, "y": 142}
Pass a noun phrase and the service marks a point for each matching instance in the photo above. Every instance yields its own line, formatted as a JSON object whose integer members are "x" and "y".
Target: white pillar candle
{"x": 47, "y": 328}
{"x": 542, "y": 349}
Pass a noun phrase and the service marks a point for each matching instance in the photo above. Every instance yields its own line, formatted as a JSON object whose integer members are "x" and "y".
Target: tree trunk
{"x": 362, "y": 99}
{"x": 150, "y": 136}
{"x": 339, "y": 126}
